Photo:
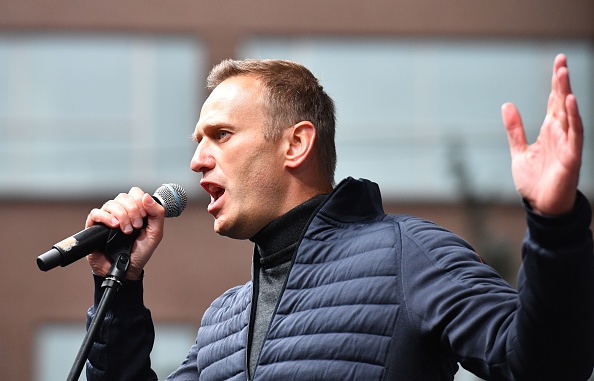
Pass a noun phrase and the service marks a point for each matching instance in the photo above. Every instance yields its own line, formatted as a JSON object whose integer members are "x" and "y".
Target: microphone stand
{"x": 119, "y": 247}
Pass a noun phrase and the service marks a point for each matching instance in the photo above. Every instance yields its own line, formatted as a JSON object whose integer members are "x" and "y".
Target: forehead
{"x": 235, "y": 101}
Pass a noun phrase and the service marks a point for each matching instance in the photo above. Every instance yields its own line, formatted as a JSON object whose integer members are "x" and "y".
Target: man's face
{"x": 241, "y": 171}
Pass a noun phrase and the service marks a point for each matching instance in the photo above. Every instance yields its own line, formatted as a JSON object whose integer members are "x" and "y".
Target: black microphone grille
{"x": 173, "y": 198}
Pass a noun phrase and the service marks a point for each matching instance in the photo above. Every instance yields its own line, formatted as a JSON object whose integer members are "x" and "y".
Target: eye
{"x": 223, "y": 135}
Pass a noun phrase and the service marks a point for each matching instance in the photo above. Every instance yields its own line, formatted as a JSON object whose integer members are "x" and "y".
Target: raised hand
{"x": 546, "y": 173}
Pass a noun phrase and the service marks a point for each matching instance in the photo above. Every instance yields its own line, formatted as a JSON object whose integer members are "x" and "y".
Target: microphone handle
{"x": 74, "y": 247}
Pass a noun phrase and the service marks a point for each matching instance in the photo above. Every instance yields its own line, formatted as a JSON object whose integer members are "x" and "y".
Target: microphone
{"x": 171, "y": 196}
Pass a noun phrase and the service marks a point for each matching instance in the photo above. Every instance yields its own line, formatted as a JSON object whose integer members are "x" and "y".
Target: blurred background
{"x": 97, "y": 97}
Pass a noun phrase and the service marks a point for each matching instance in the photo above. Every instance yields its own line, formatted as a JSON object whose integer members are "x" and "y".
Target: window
{"x": 93, "y": 115}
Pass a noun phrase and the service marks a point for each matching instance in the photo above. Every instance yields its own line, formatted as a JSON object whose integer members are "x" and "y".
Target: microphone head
{"x": 173, "y": 198}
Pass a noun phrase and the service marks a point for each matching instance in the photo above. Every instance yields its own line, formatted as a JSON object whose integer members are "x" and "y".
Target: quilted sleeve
{"x": 543, "y": 331}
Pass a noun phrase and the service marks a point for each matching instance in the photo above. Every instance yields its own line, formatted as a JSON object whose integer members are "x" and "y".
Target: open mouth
{"x": 215, "y": 191}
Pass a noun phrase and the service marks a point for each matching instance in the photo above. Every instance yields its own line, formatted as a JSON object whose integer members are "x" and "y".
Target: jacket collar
{"x": 360, "y": 197}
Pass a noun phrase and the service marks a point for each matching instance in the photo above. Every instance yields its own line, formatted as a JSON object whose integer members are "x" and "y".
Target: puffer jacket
{"x": 372, "y": 296}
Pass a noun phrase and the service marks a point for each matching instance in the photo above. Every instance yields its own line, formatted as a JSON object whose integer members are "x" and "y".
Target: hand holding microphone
{"x": 123, "y": 215}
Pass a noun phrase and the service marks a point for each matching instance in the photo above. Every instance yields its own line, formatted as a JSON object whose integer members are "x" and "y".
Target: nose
{"x": 202, "y": 161}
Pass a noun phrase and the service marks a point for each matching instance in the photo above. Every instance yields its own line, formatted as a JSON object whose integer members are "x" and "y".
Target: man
{"x": 340, "y": 290}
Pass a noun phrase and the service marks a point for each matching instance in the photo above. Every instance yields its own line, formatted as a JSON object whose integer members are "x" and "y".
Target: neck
{"x": 302, "y": 186}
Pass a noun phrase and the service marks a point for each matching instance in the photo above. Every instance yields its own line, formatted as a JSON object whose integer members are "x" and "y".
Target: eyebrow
{"x": 213, "y": 126}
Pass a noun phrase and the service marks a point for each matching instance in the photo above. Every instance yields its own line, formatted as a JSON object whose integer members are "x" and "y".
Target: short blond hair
{"x": 292, "y": 94}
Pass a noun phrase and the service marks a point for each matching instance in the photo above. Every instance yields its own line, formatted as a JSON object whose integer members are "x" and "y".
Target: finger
{"x": 132, "y": 206}
{"x": 515, "y": 129}
{"x": 559, "y": 87}
{"x": 560, "y": 68}
{"x": 575, "y": 132}
{"x": 99, "y": 216}
{"x": 563, "y": 87}
{"x": 117, "y": 209}
{"x": 136, "y": 211}
{"x": 138, "y": 194}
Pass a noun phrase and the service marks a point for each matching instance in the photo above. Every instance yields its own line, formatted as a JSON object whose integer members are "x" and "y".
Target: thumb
{"x": 152, "y": 208}
{"x": 514, "y": 127}
{"x": 155, "y": 215}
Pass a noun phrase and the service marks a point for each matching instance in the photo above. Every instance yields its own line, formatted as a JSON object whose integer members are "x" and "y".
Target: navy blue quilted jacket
{"x": 372, "y": 296}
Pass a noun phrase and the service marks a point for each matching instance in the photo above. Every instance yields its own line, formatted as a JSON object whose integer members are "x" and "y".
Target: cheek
{"x": 254, "y": 170}
{"x": 257, "y": 186}
{"x": 261, "y": 167}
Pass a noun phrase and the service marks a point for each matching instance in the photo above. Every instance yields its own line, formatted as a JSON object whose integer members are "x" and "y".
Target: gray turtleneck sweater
{"x": 275, "y": 246}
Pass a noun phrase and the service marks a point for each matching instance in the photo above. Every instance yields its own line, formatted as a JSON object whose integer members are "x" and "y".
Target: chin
{"x": 225, "y": 230}
{"x": 240, "y": 234}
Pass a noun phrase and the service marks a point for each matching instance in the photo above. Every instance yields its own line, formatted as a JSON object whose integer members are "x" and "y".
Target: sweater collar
{"x": 278, "y": 240}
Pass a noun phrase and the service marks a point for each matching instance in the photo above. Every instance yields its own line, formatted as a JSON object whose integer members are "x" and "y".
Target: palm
{"x": 546, "y": 172}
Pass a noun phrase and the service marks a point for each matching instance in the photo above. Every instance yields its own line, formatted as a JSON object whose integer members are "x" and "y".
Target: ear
{"x": 300, "y": 139}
